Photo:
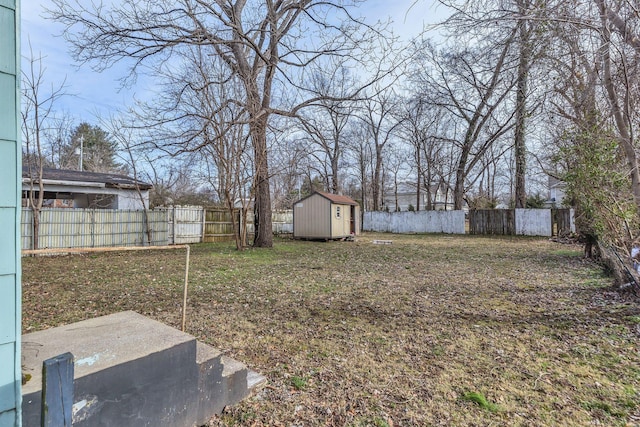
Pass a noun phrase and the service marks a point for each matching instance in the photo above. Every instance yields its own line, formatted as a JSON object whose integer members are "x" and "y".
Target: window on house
{"x": 337, "y": 211}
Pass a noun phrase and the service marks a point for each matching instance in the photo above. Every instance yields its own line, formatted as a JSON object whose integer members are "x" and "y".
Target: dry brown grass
{"x": 431, "y": 330}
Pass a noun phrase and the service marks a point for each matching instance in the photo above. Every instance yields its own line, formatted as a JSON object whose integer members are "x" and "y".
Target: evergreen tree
{"x": 91, "y": 149}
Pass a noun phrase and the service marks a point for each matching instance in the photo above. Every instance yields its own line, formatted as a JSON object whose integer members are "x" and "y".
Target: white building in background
{"x": 407, "y": 196}
{"x": 82, "y": 189}
{"x": 557, "y": 192}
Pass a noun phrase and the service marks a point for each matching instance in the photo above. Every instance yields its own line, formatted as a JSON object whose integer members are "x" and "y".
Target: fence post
{"x": 57, "y": 391}
{"x": 173, "y": 224}
{"x": 204, "y": 224}
{"x": 92, "y": 212}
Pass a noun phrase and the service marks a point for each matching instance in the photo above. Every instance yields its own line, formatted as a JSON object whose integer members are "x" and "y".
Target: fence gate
{"x": 218, "y": 226}
{"x": 562, "y": 222}
{"x": 492, "y": 221}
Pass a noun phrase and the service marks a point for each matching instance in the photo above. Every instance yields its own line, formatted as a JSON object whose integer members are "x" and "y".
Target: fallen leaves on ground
{"x": 358, "y": 334}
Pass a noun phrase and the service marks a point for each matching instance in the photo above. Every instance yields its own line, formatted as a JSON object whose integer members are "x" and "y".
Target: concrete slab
{"x": 98, "y": 344}
{"x": 129, "y": 370}
{"x": 133, "y": 371}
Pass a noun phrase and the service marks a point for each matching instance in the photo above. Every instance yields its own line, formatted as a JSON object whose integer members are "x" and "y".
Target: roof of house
{"x": 109, "y": 179}
{"x": 337, "y": 199}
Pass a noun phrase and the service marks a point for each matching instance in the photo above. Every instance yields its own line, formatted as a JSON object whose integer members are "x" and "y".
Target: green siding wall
{"x": 10, "y": 311}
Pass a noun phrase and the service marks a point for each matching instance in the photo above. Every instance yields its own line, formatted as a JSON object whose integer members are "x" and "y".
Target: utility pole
{"x": 81, "y": 144}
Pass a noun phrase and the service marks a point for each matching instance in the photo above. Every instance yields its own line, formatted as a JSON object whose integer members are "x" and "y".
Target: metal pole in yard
{"x": 184, "y": 298}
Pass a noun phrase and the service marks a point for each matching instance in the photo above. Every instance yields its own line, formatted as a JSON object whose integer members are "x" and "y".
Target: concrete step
{"x": 223, "y": 382}
{"x": 133, "y": 371}
{"x": 255, "y": 381}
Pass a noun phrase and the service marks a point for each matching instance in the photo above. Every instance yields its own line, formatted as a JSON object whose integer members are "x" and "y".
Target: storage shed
{"x": 325, "y": 216}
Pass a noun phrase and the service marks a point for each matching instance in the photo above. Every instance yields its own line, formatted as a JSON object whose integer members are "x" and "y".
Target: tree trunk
{"x": 375, "y": 185}
{"x": 458, "y": 190}
{"x": 419, "y": 183}
{"x": 36, "y": 227}
{"x": 263, "y": 237}
{"x": 521, "y": 110}
{"x": 335, "y": 187}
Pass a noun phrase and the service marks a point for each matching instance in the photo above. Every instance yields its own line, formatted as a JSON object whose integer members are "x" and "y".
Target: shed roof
{"x": 109, "y": 179}
{"x": 334, "y": 198}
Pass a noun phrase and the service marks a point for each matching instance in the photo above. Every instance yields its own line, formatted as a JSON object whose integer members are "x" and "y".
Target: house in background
{"x": 557, "y": 192}
{"x": 325, "y": 216}
{"x": 82, "y": 189}
{"x": 407, "y": 195}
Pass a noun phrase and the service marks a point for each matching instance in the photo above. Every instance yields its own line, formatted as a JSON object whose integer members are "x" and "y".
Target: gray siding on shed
{"x": 312, "y": 218}
{"x": 315, "y": 217}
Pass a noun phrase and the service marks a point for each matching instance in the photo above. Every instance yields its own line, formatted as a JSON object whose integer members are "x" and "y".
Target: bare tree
{"x": 621, "y": 92}
{"x": 264, "y": 44}
{"x": 421, "y": 127}
{"x": 289, "y": 160}
{"x": 127, "y": 142}
{"x": 380, "y": 122}
{"x": 362, "y": 156}
{"x": 472, "y": 85}
{"x": 326, "y": 123}
{"x": 396, "y": 168}
{"x": 198, "y": 119}
{"x": 37, "y": 113}
{"x": 487, "y": 20}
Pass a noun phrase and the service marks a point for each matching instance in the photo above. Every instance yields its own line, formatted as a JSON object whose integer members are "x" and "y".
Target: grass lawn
{"x": 430, "y": 330}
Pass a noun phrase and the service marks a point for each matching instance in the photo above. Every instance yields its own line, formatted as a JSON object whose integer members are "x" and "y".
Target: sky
{"x": 92, "y": 95}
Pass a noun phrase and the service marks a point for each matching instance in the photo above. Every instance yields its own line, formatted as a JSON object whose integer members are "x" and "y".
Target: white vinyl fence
{"x": 534, "y": 222}
{"x": 282, "y": 222}
{"x": 522, "y": 222}
{"x": 447, "y": 222}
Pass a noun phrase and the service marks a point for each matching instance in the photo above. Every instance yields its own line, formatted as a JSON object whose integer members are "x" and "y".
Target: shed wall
{"x": 312, "y": 218}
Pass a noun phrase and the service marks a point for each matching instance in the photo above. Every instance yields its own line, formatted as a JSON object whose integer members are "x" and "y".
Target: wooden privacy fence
{"x": 563, "y": 222}
{"x": 525, "y": 222}
{"x": 174, "y": 225}
{"x": 492, "y": 221}
{"x": 218, "y": 226}
{"x": 92, "y": 228}
{"x": 194, "y": 224}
